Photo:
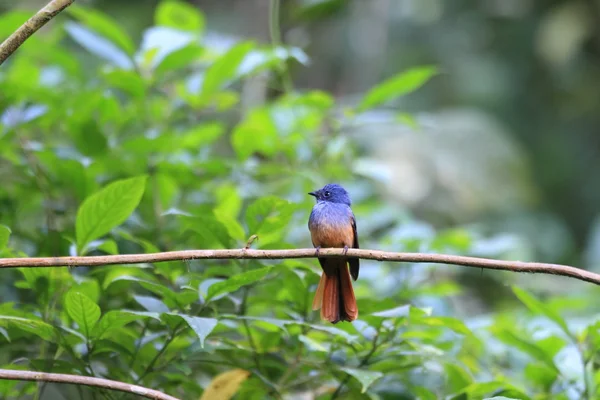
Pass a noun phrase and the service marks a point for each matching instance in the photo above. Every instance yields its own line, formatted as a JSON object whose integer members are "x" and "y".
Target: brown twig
{"x": 84, "y": 380}
{"x": 12, "y": 43}
{"x": 475, "y": 262}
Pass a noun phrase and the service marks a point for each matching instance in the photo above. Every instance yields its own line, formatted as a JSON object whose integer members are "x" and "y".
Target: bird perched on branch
{"x": 332, "y": 224}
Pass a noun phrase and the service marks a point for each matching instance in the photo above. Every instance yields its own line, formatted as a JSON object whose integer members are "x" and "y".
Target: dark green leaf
{"x": 213, "y": 231}
{"x": 116, "y": 319}
{"x": 89, "y": 138}
{"x": 236, "y": 281}
{"x": 398, "y": 85}
{"x": 108, "y": 208}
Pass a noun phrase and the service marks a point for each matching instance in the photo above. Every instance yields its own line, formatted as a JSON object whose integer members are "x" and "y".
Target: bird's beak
{"x": 313, "y": 193}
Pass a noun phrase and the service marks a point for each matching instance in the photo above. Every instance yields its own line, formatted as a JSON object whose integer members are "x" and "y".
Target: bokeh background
{"x": 497, "y": 155}
{"x": 508, "y": 131}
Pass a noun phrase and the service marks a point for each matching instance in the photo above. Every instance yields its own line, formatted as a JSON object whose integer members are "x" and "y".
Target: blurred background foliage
{"x": 464, "y": 127}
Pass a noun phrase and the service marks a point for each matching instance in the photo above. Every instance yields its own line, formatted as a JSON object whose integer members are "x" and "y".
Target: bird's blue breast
{"x": 330, "y": 225}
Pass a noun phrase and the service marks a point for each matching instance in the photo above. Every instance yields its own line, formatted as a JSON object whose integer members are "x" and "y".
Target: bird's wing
{"x": 354, "y": 262}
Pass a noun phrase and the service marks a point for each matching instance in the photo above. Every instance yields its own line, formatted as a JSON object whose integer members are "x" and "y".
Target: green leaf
{"x": 82, "y": 310}
{"x": 366, "y": 378}
{"x": 179, "y": 15}
{"x": 89, "y": 139}
{"x": 224, "y": 69}
{"x": 257, "y": 133}
{"x": 537, "y": 307}
{"x": 236, "y": 281}
{"x": 179, "y": 58}
{"x": 36, "y": 327}
{"x": 401, "y": 311}
{"x": 267, "y": 217}
{"x": 107, "y": 209}
{"x": 525, "y": 346}
{"x": 151, "y": 304}
{"x": 116, "y": 319}
{"x": 4, "y": 235}
{"x": 154, "y": 287}
{"x": 98, "y": 45}
{"x": 213, "y": 231}
{"x": 456, "y": 377}
{"x": 104, "y": 25}
{"x": 448, "y": 322}
{"x": 397, "y": 86}
{"x": 202, "y": 327}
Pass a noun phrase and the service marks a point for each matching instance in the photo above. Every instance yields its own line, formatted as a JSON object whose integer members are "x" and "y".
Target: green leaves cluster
{"x": 119, "y": 148}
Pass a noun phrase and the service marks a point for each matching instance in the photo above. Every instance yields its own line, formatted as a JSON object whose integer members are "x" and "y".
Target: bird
{"x": 332, "y": 224}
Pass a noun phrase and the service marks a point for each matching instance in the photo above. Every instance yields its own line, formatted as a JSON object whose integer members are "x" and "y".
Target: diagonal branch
{"x": 85, "y": 381}
{"x": 475, "y": 262}
{"x": 30, "y": 26}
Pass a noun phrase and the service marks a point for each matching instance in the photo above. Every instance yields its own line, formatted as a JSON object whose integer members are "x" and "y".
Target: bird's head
{"x": 332, "y": 193}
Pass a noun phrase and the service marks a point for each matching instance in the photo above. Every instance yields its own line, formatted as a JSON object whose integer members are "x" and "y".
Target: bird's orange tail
{"x": 335, "y": 296}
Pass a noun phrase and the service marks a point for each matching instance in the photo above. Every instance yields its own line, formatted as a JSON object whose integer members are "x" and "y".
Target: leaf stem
{"x": 275, "y": 32}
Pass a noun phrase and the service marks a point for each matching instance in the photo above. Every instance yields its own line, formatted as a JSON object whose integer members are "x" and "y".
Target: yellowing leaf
{"x": 224, "y": 386}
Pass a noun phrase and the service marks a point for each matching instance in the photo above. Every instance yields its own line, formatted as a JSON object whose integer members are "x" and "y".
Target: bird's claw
{"x": 317, "y": 249}
{"x": 345, "y": 250}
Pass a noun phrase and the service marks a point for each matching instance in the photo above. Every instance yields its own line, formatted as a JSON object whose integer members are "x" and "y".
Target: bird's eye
{"x": 327, "y": 194}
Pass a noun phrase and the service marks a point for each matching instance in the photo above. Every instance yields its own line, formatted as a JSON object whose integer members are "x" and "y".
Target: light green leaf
{"x": 82, "y": 310}
{"x": 457, "y": 378}
{"x": 179, "y": 15}
{"x": 401, "y": 311}
{"x": 201, "y": 326}
{"x": 107, "y": 209}
{"x": 366, "y": 378}
{"x": 36, "y": 327}
{"x": 224, "y": 68}
{"x": 257, "y": 133}
{"x": 540, "y": 308}
{"x": 525, "y": 346}
{"x": 179, "y": 58}
{"x": 4, "y": 235}
{"x": 228, "y": 200}
{"x": 448, "y": 322}
{"x": 151, "y": 304}
{"x": 103, "y": 25}
{"x": 267, "y": 217}
{"x": 236, "y": 281}
{"x": 397, "y": 86}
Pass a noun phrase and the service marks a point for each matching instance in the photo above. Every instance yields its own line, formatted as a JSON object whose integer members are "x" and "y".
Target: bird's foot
{"x": 345, "y": 250}
{"x": 317, "y": 249}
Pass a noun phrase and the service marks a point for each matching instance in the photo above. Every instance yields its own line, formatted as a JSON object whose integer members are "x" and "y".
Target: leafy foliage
{"x": 151, "y": 149}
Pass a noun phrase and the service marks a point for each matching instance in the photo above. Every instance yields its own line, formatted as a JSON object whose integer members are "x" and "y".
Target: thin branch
{"x": 12, "y": 43}
{"x": 475, "y": 262}
{"x": 85, "y": 381}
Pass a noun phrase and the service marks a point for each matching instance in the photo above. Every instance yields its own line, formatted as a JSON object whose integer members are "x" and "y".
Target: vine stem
{"x": 474, "y": 262}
